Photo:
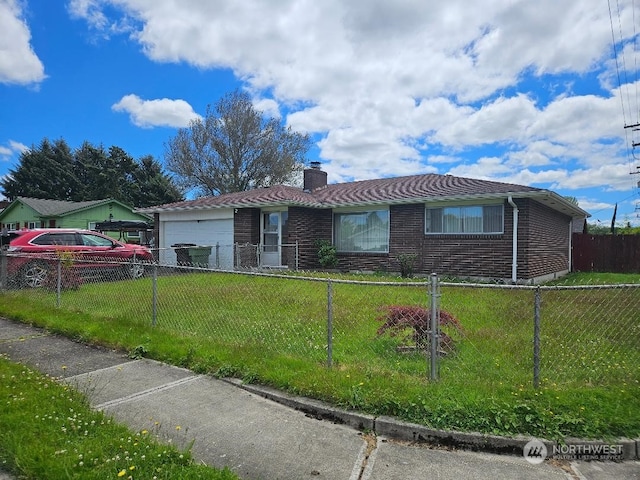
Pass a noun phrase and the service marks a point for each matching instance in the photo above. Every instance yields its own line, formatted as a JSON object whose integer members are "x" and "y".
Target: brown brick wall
{"x": 246, "y": 225}
{"x": 546, "y": 250}
{"x": 306, "y": 225}
{"x": 542, "y": 246}
{"x": 246, "y": 231}
{"x": 486, "y": 256}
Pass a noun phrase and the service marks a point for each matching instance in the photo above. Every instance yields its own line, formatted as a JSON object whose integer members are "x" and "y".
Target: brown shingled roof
{"x": 259, "y": 197}
{"x": 412, "y": 188}
{"x": 396, "y": 190}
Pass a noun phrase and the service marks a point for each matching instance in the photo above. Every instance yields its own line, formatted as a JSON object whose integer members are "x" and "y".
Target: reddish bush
{"x": 400, "y": 318}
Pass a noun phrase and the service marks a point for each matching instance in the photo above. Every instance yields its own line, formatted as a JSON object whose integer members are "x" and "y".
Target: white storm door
{"x": 272, "y": 228}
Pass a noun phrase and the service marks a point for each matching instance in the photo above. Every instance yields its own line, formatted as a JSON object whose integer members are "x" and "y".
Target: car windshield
{"x": 96, "y": 240}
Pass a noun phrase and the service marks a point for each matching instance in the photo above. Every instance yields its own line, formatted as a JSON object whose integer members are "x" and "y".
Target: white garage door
{"x": 214, "y": 233}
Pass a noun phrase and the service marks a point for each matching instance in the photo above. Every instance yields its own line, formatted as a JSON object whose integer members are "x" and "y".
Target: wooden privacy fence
{"x": 606, "y": 253}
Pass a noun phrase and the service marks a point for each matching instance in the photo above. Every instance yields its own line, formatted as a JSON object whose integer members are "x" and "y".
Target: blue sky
{"x": 526, "y": 92}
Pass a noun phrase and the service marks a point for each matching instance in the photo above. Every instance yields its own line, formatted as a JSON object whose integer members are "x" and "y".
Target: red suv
{"x": 34, "y": 254}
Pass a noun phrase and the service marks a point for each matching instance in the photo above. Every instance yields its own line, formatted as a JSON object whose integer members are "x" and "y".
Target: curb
{"x": 391, "y": 427}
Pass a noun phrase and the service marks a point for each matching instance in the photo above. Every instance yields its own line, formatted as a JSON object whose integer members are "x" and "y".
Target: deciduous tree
{"x": 235, "y": 148}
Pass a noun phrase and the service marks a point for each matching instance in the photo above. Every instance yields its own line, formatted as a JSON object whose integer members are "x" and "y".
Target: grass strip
{"x": 48, "y": 431}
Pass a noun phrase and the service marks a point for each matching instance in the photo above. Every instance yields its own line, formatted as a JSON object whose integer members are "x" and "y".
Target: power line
{"x": 619, "y": 57}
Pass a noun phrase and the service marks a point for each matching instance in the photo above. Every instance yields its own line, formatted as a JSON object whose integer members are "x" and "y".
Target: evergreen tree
{"x": 43, "y": 172}
{"x": 53, "y": 171}
{"x": 150, "y": 186}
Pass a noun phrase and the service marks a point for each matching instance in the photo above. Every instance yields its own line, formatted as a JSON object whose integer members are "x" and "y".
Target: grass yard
{"x": 48, "y": 432}
{"x": 273, "y": 330}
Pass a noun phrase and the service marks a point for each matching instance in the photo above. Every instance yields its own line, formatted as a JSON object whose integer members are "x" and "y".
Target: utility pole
{"x": 634, "y": 128}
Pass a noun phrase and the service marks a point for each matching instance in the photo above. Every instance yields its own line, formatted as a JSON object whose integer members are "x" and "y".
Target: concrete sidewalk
{"x": 244, "y": 428}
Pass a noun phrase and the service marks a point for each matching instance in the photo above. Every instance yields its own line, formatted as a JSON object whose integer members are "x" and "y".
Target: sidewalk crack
{"x": 367, "y": 457}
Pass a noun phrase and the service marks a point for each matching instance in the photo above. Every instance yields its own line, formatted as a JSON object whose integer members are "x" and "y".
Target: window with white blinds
{"x": 484, "y": 219}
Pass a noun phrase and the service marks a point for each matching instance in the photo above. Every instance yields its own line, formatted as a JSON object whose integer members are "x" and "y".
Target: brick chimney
{"x": 314, "y": 177}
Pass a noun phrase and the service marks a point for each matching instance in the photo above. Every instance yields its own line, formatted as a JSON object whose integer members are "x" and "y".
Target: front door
{"x": 274, "y": 225}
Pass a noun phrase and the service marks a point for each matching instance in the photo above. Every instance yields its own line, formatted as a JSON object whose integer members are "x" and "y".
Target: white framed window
{"x": 91, "y": 226}
{"x": 465, "y": 219}
{"x": 31, "y": 225}
{"x": 361, "y": 231}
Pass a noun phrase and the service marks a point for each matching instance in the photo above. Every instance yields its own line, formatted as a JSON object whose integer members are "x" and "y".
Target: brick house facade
{"x": 541, "y": 250}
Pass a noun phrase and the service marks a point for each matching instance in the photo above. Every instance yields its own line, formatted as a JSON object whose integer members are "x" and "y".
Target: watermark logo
{"x": 589, "y": 451}
{"x": 535, "y": 451}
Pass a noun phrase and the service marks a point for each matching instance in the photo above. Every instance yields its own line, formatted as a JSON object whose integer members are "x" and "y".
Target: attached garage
{"x": 208, "y": 228}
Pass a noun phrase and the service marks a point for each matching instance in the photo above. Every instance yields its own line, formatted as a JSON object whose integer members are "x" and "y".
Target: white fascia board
{"x": 201, "y": 214}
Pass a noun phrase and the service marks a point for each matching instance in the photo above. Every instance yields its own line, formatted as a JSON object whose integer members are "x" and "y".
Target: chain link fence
{"x": 237, "y": 256}
{"x": 562, "y": 335}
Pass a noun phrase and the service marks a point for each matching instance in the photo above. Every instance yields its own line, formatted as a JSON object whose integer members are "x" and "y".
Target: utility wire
{"x": 619, "y": 57}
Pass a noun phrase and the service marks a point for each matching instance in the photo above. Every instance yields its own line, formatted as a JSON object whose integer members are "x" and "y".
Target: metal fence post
{"x": 218, "y": 255}
{"x": 536, "y": 339}
{"x": 329, "y": 324}
{"x": 435, "y": 324}
{"x": 154, "y": 299}
{"x": 59, "y": 282}
{"x": 4, "y": 276}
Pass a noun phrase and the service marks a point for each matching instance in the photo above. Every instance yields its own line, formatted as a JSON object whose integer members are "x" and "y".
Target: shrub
{"x": 400, "y": 318}
{"x": 407, "y": 261}
{"x": 327, "y": 254}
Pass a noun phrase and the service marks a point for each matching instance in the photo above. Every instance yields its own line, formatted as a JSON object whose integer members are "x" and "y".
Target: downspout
{"x": 570, "y": 266}
{"x": 514, "y": 263}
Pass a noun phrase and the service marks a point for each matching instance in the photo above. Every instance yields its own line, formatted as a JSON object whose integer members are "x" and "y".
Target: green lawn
{"x": 273, "y": 330}
{"x": 48, "y": 432}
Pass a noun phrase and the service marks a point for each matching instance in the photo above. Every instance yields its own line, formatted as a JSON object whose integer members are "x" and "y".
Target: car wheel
{"x": 35, "y": 274}
{"x": 135, "y": 269}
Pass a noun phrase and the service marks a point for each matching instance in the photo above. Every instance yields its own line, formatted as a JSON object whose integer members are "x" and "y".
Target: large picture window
{"x": 465, "y": 219}
{"x": 364, "y": 231}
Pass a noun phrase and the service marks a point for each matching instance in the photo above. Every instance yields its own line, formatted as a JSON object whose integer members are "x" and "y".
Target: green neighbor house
{"x": 26, "y": 212}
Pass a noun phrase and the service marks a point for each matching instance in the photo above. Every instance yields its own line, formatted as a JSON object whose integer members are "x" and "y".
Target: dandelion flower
{"x": 122, "y": 473}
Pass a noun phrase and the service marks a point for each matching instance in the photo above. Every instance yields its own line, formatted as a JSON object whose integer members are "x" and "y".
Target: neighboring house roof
{"x": 59, "y": 208}
{"x": 56, "y": 208}
{"x": 387, "y": 191}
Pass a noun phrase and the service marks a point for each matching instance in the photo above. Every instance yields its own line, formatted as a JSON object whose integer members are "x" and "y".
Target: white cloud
{"x": 8, "y": 152}
{"x": 162, "y": 112}
{"x": 392, "y": 88}
{"x": 18, "y": 62}
{"x": 489, "y": 168}
{"x": 91, "y": 11}
{"x": 268, "y": 106}
{"x": 504, "y": 120}
{"x": 592, "y": 206}
{"x": 17, "y": 146}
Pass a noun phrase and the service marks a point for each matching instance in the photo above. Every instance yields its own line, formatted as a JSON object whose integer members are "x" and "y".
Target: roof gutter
{"x": 514, "y": 262}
